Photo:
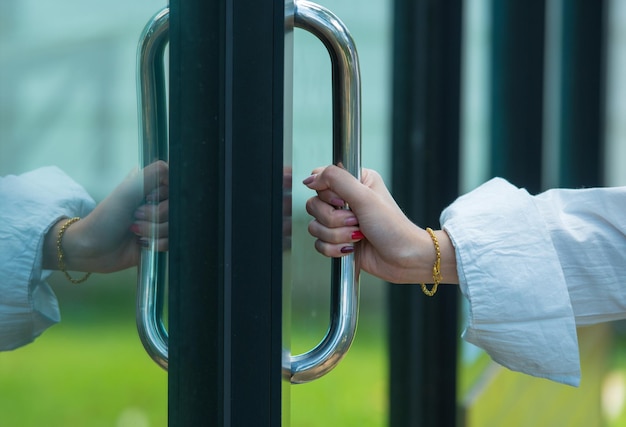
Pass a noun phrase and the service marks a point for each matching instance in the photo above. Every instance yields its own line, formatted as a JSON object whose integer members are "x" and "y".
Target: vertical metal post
{"x": 517, "y": 79}
{"x": 423, "y": 331}
{"x": 226, "y": 172}
{"x": 582, "y": 93}
{"x": 196, "y": 161}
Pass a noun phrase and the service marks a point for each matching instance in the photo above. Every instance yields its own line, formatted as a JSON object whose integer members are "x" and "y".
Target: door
{"x": 244, "y": 291}
{"x": 233, "y": 256}
{"x": 68, "y": 99}
{"x": 535, "y": 112}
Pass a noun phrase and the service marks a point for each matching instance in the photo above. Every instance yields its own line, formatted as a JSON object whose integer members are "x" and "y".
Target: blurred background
{"x": 536, "y": 104}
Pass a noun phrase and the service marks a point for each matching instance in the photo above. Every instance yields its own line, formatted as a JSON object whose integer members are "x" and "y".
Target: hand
{"x": 110, "y": 238}
{"x": 391, "y": 246}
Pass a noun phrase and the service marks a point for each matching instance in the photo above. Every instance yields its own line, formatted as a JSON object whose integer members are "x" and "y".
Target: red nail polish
{"x": 134, "y": 228}
{"x": 347, "y": 249}
{"x": 309, "y": 180}
{"x": 357, "y": 235}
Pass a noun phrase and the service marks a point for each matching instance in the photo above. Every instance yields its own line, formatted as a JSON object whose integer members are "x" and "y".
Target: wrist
{"x": 448, "y": 258}
{"x": 414, "y": 263}
{"x": 429, "y": 255}
{"x": 74, "y": 249}
{"x": 75, "y": 246}
{"x": 420, "y": 263}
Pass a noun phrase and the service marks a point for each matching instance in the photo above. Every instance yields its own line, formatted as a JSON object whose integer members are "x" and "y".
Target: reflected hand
{"x": 110, "y": 238}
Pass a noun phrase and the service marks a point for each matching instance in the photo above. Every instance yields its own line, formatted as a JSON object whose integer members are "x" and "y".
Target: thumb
{"x": 154, "y": 176}
{"x": 343, "y": 184}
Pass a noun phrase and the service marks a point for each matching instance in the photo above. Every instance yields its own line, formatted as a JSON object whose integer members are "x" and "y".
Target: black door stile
{"x": 426, "y": 121}
{"x": 226, "y": 132}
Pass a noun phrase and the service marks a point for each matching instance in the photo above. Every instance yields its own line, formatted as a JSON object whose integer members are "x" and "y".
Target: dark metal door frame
{"x": 226, "y": 133}
{"x": 423, "y": 332}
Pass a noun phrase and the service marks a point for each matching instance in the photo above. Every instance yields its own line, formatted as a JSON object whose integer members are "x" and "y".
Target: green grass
{"x": 354, "y": 394}
{"x": 89, "y": 371}
{"x": 615, "y": 384}
{"x": 90, "y": 377}
{"x": 495, "y": 396}
{"x": 92, "y": 371}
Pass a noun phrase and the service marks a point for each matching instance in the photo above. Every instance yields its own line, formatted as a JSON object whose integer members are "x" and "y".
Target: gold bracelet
{"x": 436, "y": 268}
{"x": 61, "y": 255}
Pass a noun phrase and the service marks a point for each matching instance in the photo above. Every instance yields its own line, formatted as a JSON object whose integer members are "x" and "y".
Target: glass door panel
{"x": 68, "y": 99}
{"x": 353, "y": 393}
{"x": 570, "y": 35}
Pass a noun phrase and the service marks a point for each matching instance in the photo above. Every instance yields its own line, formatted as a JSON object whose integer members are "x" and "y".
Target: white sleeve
{"x": 510, "y": 272}
{"x": 31, "y": 204}
{"x": 588, "y": 230}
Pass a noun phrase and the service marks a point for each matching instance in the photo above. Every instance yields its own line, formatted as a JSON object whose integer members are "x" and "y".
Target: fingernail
{"x": 336, "y": 201}
{"x": 357, "y": 235}
{"x": 309, "y": 179}
{"x": 351, "y": 221}
{"x": 347, "y": 249}
{"x": 134, "y": 228}
{"x": 144, "y": 242}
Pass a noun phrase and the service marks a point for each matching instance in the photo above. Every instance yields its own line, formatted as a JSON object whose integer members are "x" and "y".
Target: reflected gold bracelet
{"x": 436, "y": 267}
{"x": 61, "y": 254}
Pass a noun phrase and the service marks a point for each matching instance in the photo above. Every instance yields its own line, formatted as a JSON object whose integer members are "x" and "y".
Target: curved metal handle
{"x": 347, "y": 151}
{"x": 153, "y": 142}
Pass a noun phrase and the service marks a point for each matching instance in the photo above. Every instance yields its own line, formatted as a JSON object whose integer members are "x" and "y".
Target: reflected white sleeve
{"x": 31, "y": 204}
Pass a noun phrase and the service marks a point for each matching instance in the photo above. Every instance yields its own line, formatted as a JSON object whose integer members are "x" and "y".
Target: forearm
{"x": 418, "y": 266}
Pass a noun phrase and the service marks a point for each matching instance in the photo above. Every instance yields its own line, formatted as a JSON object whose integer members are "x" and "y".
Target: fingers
{"x": 334, "y": 242}
{"x": 149, "y": 184}
{"x": 151, "y": 219}
{"x": 153, "y": 212}
{"x": 150, "y": 229}
{"x": 151, "y": 235}
{"x": 158, "y": 194}
{"x": 328, "y": 178}
{"x": 335, "y": 235}
{"x": 151, "y": 225}
{"x": 155, "y": 175}
{"x": 160, "y": 245}
{"x": 337, "y": 229}
{"x": 329, "y": 215}
{"x": 334, "y": 250}
{"x": 335, "y": 183}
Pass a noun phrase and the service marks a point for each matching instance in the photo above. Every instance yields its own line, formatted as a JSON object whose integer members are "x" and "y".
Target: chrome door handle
{"x": 344, "y": 308}
{"x": 153, "y": 141}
